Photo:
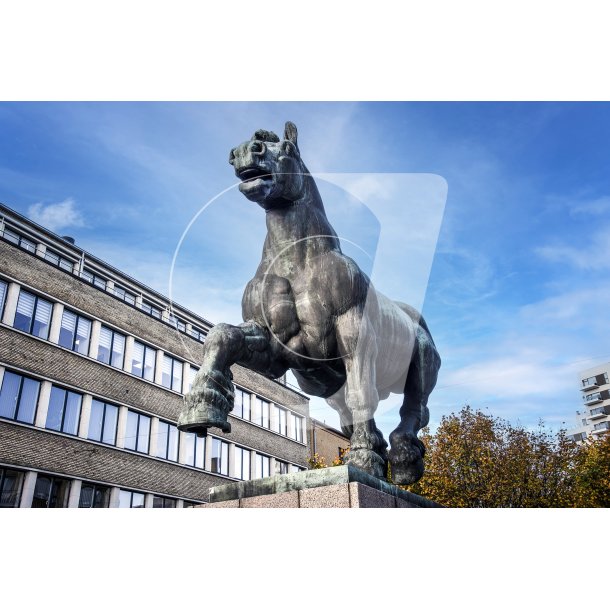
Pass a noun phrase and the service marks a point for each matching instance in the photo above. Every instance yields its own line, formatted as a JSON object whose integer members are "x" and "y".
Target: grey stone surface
{"x": 344, "y": 342}
{"x": 313, "y": 479}
{"x": 331, "y": 496}
{"x": 288, "y": 499}
{"x": 363, "y": 496}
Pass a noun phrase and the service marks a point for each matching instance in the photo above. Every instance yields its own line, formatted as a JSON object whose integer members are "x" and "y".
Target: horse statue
{"x": 309, "y": 308}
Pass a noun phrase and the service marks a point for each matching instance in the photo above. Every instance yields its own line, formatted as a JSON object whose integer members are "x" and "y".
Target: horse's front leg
{"x": 358, "y": 346}
{"x": 212, "y": 395}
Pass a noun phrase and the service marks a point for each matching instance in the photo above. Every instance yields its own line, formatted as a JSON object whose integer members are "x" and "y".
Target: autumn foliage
{"x": 477, "y": 460}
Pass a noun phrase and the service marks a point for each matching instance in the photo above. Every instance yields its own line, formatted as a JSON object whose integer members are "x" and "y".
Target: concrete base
{"x": 337, "y": 487}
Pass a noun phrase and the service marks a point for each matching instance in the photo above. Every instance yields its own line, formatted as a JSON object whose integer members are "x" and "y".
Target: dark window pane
{"x": 9, "y": 394}
{"x": 56, "y": 408}
{"x": 42, "y": 319}
{"x": 118, "y": 350}
{"x": 28, "y": 401}
{"x": 83, "y": 335}
{"x": 143, "y": 434}
{"x": 105, "y": 345}
{"x": 25, "y": 311}
{"x": 42, "y": 492}
{"x": 174, "y": 437}
{"x": 110, "y": 424}
{"x": 95, "y": 421}
{"x": 137, "y": 361}
{"x": 162, "y": 437}
{"x": 67, "y": 330}
{"x": 131, "y": 430}
{"x": 10, "y": 488}
{"x": 72, "y": 413}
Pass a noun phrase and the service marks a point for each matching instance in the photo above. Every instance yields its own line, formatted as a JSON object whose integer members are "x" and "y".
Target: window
{"x": 143, "y": 361}
{"x": 187, "y": 504}
{"x": 19, "y": 240}
{"x": 122, "y": 294}
{"x": 130, "y": 499}
{"x": 242, "y": 463}
{"x": 193, "y": 370}
{"x": 168, "y": 441}
{"x": 51, "y": 492}
{"x": 33, "y": 315}
{"x": 11, "y": 484}
{"x": 19, "y": 397}
{"x": 92, "y": 278}
{"x": 220, "y": 456}
{"x": 297, "y": 427}
{"x": 279, "y": 420}
{"x": 103, "y": 422}
{"x": 75, "y": 332}
{"x": 94, "y": 496}
{"x": 64, "y": 411}
{"x": 281, "y": 467}
{"x": 161, "y": 502}
{"x": 242, "y": 404}
{"x": 177, "y": 323}
{"x": 194, "y": 451}
{"x": 197, "y": 334}
{"x": 260, "y": 412}
{"x": 111, "y": 349}
{"x": 264, "y": 465}
{"x": 171, "y": 375}
{"x": 3, "y": 291}
{"x": 137, "y": 432}
{"x": 151, "y": 310}
{"x": 59, "y": 261}
{"x": 293, "y": 468}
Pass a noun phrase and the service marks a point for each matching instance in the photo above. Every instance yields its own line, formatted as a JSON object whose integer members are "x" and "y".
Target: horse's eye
{"x": 232, "y": 156}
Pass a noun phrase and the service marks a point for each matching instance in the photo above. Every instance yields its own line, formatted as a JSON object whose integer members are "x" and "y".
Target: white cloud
{"x": 598, "y": 206}
{"x": 594, "y": 254}
{"x": 56, "y": 216}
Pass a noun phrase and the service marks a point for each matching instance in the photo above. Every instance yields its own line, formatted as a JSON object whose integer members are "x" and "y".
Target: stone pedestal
{"x": 336, "y": 487}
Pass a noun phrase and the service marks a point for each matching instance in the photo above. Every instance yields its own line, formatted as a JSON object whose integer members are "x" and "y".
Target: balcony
{"x": 598, "y": 413}
{"x": 601, "y": 427}
{"x": 590, "y": 385}
{"x": 592, "y": 399}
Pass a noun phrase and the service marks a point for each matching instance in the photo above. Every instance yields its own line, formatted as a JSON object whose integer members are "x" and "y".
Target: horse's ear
{"x": 290, "y": 133}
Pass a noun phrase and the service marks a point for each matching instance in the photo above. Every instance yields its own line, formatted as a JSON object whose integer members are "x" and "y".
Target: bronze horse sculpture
{"x": 310, "y": 309}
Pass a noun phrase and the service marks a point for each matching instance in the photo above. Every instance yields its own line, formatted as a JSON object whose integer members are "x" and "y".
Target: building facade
{"x": 593, "y": 419}
{"x": 325, "y": 441}
{"x": 93, "y": 369}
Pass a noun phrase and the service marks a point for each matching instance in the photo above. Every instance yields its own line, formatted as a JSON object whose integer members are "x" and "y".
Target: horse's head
{"x": 271, "y": 170}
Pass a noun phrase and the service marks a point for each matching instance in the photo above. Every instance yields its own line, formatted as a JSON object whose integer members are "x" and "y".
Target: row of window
{"x": 19, "y": 401}
{"x": 33, "y": 315}
{"x": 268, "y": 415}
{"x": 54, "y": 492}
{"x": 100, "y": 282}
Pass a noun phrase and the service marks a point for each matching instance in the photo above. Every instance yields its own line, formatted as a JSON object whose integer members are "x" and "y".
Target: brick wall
{"x": 26, "y": 447}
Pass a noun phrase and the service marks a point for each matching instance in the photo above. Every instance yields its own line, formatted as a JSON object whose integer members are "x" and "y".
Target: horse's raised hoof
{"x": 367, "y": 460}
{"x": 208, "y": 404}
{"x": 406, "y": 458}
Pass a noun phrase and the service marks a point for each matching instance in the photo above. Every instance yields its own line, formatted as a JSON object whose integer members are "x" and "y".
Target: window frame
{"x": 75, "y": 333}
{"x": 137, "y": 436}
{"x": 67, "y": 393}
{"x": 37, "y": 300}
{"x": 114, "y": 334}
{"x": 19, "y": 396}
{"x": 103, "y": 423}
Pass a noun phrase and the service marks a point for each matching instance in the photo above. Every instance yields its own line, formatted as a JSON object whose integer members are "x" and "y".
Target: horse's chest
{"x": 297, "y": 316}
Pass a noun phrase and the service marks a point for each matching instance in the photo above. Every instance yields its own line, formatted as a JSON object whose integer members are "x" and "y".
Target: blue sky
{"x": 519, "y": 253}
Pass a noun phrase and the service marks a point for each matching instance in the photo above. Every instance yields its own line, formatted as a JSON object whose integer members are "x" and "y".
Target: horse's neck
{"x": 300, "y": 229}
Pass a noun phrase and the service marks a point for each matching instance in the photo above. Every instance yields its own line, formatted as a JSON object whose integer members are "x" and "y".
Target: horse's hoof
{"x": 367, "y": 460}
{"x": 406, "y": 458}
{"x": 207, "y": 404}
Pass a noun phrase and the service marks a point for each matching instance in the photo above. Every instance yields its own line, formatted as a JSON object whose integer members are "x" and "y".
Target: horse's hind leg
{"x": 407, "y": 451}
{"x": 357, "y": 342}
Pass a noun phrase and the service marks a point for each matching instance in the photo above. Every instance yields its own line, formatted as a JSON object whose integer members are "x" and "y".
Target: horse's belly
{"x": 395, "y": 336}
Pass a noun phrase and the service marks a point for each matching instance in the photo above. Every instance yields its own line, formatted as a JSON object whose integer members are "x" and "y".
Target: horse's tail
{"x": 416, "y": 317}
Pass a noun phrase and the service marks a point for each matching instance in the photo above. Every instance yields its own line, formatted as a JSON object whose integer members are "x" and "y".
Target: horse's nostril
{"x": 232, "y": 156}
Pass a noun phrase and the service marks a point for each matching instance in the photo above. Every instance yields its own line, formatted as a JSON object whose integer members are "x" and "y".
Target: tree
{"x": 593, "y": 476}
{"x": 478, "y": 460}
